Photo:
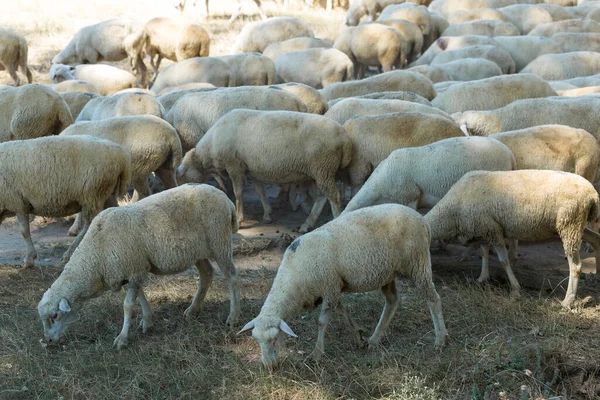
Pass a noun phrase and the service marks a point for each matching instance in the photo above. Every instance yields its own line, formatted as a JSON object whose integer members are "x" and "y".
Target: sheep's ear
{"x": 64, "y": 306}
{"x": 286, "y": 329}
{"x": 247, "y": 327}
{"x": 71, "y": 68}
{"x": 463, "y": 127}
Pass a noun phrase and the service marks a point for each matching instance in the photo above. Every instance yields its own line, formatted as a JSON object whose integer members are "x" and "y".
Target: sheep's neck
{"x": 442, "y": 224}
{"x": 284, "y": 299}
{"x": 80, "y": 285}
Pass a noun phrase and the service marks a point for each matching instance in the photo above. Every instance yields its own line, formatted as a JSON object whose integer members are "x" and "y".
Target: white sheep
{"x": 316, "y": 67}
{"x": 460, "y": 16}
{"x": 569, "y": 41}
{"x": 251, "y": 69}
{"x": 358, "y": 252}
{"x": 451, "y": 43}
{"x": 76, "y": 101}
{"x": 406, "y": 96}
{"x": 58, "y": 176}
{"x": 370, "y": 8}
{"x": 13, "y": 54}
{"x": 557, "y": 12}
{"x": 583, "y": 81}
{"x": 185, "y": 86}
{"x": 393, "y": 81}
{"x": 468, "y": 69}
{"x": 169, "y": 100}
{"x": 32, "y": 111}
{"x": 570, "y": 25}
{"x": 525, "y": 49}
{"x": 562, "y": 203}
{"x": 447, "y": 7}
{"x": 163, "y": 234}
{"x": 413, "y": 37}
{"x": 421, "y": 176}
{"x": 72, "y": 85}
{"x": 311, "y": 97}
{"x": 438, "y": 25}
{"x": 489, "y": 28}
{"x": 564, "y": 66}
{"x": 410, "y": 12}
{"x": 198, "y": 69}
{"x": 434, "y": 73}
{"x": 526, "y": 16}
{"x": 256, "y": 36}
{"x": 375, "y": 137}
{"x": 491, "y": 93}
{"x": 277, "y": 49}
{"x": 575, "y": 91}
{"x": 105, "y": 78}
{"x": 492, "y": 53}
{"x": 192, "y": 122}
{"x": 120, "y": 105}
{"x": 280, "y": 147}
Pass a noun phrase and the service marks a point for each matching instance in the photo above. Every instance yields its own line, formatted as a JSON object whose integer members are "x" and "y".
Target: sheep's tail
{"x": 22, "y": 62}
{"x": 346, "y": 151}
{"x": 124, "y": 180}
{"x": 234, "y": 218}
{"x": 349, "y": 73}
{"x": 176, "y": 151}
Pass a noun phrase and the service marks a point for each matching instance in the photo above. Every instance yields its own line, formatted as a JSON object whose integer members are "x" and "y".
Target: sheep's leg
{"x": 236, "y": 13}
{"x": 284, "y": 196}
{"x": 503, "y": 256}
{"x": 485, "y": 261}
{"x": 87, "y": 215}
{"x": 146, "y": 323}
{"x": 334, "y": 196}
{"x": 230, "y": 272}
{"x": 513, "y": 250}
{"x": 435, "y": 309}
{"x": 206, "y": 5}
{"x": 468, "y": 252}
{"x": 324, "y": 319}
{"x": 76, "y": 227}
{"x": 260, "y": 10}
{"x": 572, "y": 252}
{"x": 24, "y": 227}
{"x": 392, "y": 301}
{"x": 593, "y": 238}
{"x": 13, "y": 74}
{"x": 128, "y": 304}
{"x": 238, "y": 191}
{"x": 167, "y": 177}
{"x": 206, "y": 275}
{"x": 140, "y": 188}
{"x": 355, "y": 329}
{"x": 259, "y": 188}
{"x": 329, "y": 6}
{"x": 315, "y": 212}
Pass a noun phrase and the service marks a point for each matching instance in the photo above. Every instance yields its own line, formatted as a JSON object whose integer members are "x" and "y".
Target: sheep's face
{"x": 56, "y": 316}
{"x": 190, "y": 170}
{"x": 61, "y": 72}
{"x": 269, "y": 332}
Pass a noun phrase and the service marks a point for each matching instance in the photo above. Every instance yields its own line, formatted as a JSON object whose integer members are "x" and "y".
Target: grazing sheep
{"x": 438, "y": 25}
{"x": 583, "y": 113}
{"x": 434, "y": 73}
{"x": 554, "y": 67}
{"x": 410, "y": 12}
{"x": 290, "y": 148}
{"x": 76, "y": 101}
{"x": 163, "y": 234}
{"x": 360, "y": 8}
{"x": 74, "y": 86}
{"x": 186, "y": 86}
{"x": 13, "y": 54}
{"x": 421, "y": 176}
{"x": 311, "y": 97}
{"x": 375, "y": 137}
{"x": 69, "y": 175}
{"x": 153, "y": 144}
{"x": 451, "y": 43}
{"x": 256, "y": 36}
{"x": 562, "y": 203}
{"x": 492, "y": 53}
{"x": 277, "y": 49}
{"x": 477, "y": 14}
{"x": 569, "y": 41}
{"x": 192, "y": 122}
{"x": 570, "y": 25}
{"x": 172, "y": 39}
{"x": 111, "y": 40}
{"x": 105, "y": 78}
{"x": 525, "y": 49}
{"x": 489, "y": 28}
{"x": 491, "y": 93}
{"x": 413, "y": 37}
{"x": 32, "y": 111}
{"x": 121, "y": 105}
{"x": 251, "y": 69}
{"x": 355, "y": 107}
{"x": 169, "y": 100}
{"x": 406, "y": 96}
{"x": 469, "y": 69}
{"x": 359, "y": 252}
{"x": 198, "y": 69}
{"x": 372, "y": 45}
{"x": 404, "y": 81}
{"x": 316, "y": 68}
{"x": 526, "y": 16}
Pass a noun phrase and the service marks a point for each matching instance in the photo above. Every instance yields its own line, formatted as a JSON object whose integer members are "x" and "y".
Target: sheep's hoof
{"x": 73, "y": 232}
{"x": 267, "y": 219}
{"x": 65, "y": 258}
{"x": 373, "y": 342}
{"x": 303, "y": 229}
{"x": 189, "y": 312}
{"x": 483, "y": 279}
{"x": 316, "y": 354}
{"x": 146, "y": 325}
{"x": 232, "y": 320}
{"x": 568, "y": 302}
{"x": 515, "y": 294}
{"x": 120, "y": 341}
{"x": 29, "y": 262}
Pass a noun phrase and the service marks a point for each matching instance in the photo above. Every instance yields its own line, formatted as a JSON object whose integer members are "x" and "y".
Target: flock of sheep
{"x": 485, "y": 111}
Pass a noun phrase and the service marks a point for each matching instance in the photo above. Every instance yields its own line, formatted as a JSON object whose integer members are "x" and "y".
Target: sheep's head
{"x": 477, "y": 123}
{"x": 56, "y": 315}
{"x": 191, "y": 169}
{"x": 354, "y": 14}
{"x": 61, "y": 72}
{"x": 269, "y": 332}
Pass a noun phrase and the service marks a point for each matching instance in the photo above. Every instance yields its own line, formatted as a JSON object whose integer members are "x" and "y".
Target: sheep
{"x": 526, "y": 16}
{"x": 153, "y": 144}
{"x": 406, "y": 96}
{"x": 256, "y": 36}
{"x": 482, "y": 27}
{"x": 405, "y": 81}
{"x": 441, "y": 87}
{"x": 577, "y": 113}
{"x": 371, "y": 8}
{"x": 58, "y": 176}
{"x": 582, "y": 81}
{"x": 375, "y": 137}
{"x": 372, "y": 45}
{"x": 468, "y": 69}
{"x": 251, "y": 69}
{"x": 562, "y": 203}
{"x": 492, "y": 53}
{"x": 451, "y": 43}
{"x": 74, "y": 86}
{"x": 574, "y": 92}
{"x": 570, "y": 25}
{"x": 163, "y": 234}
{"x": 447, "y": 7}
{"x": 438, "y": 25}
{"x": 525, "y": 49}
{"x": 413, "y": 37}
{"x": 329, "y": 261}
{"x": 120, "y": 105}
{"x": 13, "y": 54}
{"x": 410, "y": 12}
{"x": 564, "y": 66}
{"x": 198, "y": 69}
{"x": 460, "y": 16}
{"x": 76, "y": 101}
{"x": 317, "y": 67}
{"x": 421, "y": 176}
{"x": 277, "y": 49}
{"x": 134, "y": 91}
{"x": 32, "y": 111}
{"x": 111, "y": 40}
{"x": 434, "y": 73}
{"x": 309, "y": 96}
{"x": 491, "y": 93}
{"x": 558, "y": 13}
{"x": 192, "y": 122}
{"x": 186, "y": 86}
{"x": 172, "y": 39}
{"x": 569, "y": 41}
{"x": 105, "y": 78}
{"x": 169, "y": 100}
{"x": 290, "y": 148}
{"x": 354, "y": 107}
